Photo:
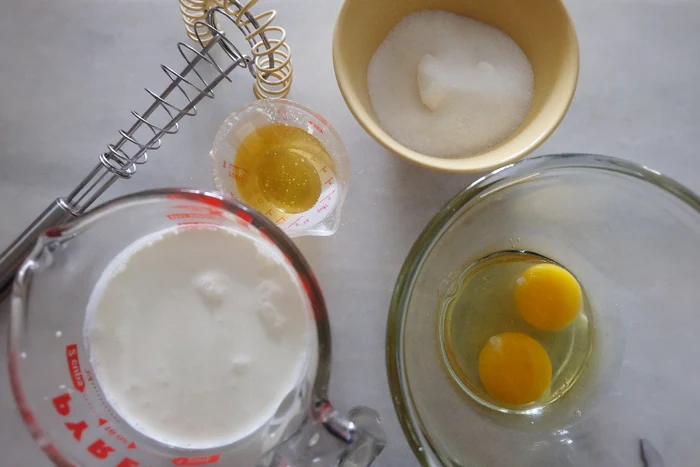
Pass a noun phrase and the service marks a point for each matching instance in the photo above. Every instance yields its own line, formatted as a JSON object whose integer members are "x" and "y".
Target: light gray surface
{"x": 71, "y": 70}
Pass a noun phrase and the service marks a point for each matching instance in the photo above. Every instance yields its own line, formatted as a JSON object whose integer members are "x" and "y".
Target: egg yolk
{"x": 514, "y": 368}
{"x": 548, "y": 296}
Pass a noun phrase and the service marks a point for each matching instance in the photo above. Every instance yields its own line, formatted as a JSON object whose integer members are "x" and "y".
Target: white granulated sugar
{"x": 445, "y": 85}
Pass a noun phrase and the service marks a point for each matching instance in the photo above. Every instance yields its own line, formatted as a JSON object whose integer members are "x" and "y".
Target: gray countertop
{"x": 71, "y": 70}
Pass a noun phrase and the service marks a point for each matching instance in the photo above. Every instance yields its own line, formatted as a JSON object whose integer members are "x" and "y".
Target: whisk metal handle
{"x": 58, "y": 212}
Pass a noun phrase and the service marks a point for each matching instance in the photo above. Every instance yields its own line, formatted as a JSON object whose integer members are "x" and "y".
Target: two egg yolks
{"x": 513, "y": 367}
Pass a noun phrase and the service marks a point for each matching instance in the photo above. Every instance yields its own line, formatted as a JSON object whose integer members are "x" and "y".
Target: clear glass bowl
{"x": 632, "y": 238}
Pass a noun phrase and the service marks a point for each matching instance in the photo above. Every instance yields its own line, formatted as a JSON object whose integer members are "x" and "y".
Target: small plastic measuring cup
{"x": 54, "y": 384}
{"x": 324, "y": 217}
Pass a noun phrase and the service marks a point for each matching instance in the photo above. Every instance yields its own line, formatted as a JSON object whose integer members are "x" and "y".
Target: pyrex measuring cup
{"x": 54, "y": 383}
{"x": 324, "y": 217}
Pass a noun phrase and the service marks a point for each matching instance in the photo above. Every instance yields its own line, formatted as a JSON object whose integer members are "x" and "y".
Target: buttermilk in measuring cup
{"x": 197, "y": 334}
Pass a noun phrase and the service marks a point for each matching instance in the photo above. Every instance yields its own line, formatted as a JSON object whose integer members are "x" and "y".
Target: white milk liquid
{"x": 197, "y": 334}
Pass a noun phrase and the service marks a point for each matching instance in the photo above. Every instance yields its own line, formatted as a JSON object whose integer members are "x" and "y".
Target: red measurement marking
{"x": 268, "y": 212}
{"x": 282, "y": 113}
{"x": 197, "y": 223}
{"x": 324, "y": 169}
{"x": 195, "y": 211}
{"x": 236, "y": 172}
{"x": 76, "y": 374}
{"x": 328, "y": 196}
{"x": 112, "y": 432}
{"x": 202, "y": 460}
{"x": 321, "y": 119}
{"x": 280, "y": 220}
{"x": 89, "y": 404}
{"x": 315, "y": 125}
{"x": 90, "y": 379}
{"x": 322, "y": 208}
{"x": 97, "y": 393}
{"x": 62, "y": 404}
{"x": 211, "y": 211}
{"x": 244, "y": 218}
{"x": 329, "y": 181}
{"x": 296, "y": 222}
{"x": 100, "y": 449}
{"x": 77, "y": 429}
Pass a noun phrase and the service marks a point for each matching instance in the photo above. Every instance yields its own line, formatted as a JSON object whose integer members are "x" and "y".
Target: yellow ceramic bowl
{"x": 542, "y": 29}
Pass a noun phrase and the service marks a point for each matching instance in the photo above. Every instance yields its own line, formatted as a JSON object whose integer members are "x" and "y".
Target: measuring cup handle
{"x": 333, "y": 440}
{"x": 17, "y": 252}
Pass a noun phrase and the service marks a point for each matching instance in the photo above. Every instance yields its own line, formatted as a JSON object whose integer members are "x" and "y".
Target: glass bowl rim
{"x": 423, "y": 245}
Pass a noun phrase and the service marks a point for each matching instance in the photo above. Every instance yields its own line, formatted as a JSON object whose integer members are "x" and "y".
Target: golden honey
{"x": 277, "y": 169}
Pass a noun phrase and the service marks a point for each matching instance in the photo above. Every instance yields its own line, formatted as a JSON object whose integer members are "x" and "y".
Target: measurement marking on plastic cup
{"x": 296, "y": 222}
{"x": 195, "y": 211}
{"x": 197, "y": 223}
{"x": 236, "y": 172}
{"x": 329, "y": 181}
{"x": 98, "y": 448}
{"x": 90, "y": 406}
{"x": 76, "y": 375}
{"x": 327, "y": 197}
{"x": 119, "y": 437}
{"x": 315, "y": 125}
{"x": 91, "y": 380}
{"x": 202, "y": 460}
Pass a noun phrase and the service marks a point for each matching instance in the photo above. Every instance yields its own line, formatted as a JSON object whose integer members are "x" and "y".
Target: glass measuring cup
{"x": 324, "y": 217}
{"x": 54, "y": 384}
